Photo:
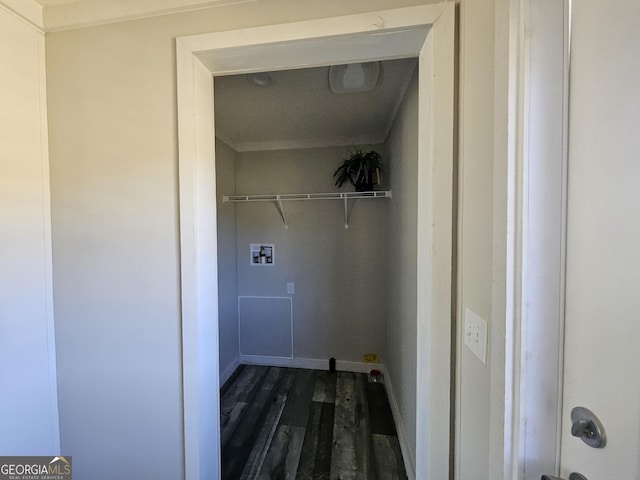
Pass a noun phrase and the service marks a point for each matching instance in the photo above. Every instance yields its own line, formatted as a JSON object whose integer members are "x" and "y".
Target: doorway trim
{"x": 538, "y": 109}
{"x": 362, "y": 37}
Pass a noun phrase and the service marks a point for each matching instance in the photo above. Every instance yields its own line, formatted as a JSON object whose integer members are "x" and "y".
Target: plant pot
{"x": 364, "y": 187}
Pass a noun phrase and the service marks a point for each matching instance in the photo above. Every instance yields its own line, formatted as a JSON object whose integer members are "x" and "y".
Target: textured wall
{"x": 114, "y": 206}
{"x": 227, "y": 281}
{"x": 113, "y": 126}
{"x": 402, "y": 236}
{"x": 475, "y": 224}
{"x": 28, "y": 404}
{"x": 339, "y": 274}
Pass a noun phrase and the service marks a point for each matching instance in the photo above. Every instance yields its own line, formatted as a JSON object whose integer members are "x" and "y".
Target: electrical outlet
{"x": 475, "y": 334}
{"x": 290, "y": 288}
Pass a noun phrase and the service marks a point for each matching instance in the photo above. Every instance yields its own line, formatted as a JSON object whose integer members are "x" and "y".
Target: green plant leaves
{"x": 358, "y": 168}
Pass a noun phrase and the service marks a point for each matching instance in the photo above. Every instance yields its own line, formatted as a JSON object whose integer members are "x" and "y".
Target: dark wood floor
{"x": 283, "y": 423}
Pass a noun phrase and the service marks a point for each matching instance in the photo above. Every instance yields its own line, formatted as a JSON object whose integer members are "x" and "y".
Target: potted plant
{"x": 360, "y": 169}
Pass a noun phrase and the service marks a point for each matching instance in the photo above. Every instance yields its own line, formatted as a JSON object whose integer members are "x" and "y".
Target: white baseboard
{"x": 226, "y": 374}
{"x": 310, "y": 363}
{"x": 407, "y": 453}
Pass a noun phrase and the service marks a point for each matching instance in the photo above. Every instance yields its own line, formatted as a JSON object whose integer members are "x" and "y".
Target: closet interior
{"x": 308, "y": 272}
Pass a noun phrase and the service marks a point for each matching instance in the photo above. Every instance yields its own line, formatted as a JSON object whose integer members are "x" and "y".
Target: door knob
{"x": 585, "y": 425}
{"x": 582, "y": 428}
{"x": 573, "y": 476}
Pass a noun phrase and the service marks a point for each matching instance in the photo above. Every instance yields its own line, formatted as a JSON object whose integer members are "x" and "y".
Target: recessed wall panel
{"x": 266, "y": 326}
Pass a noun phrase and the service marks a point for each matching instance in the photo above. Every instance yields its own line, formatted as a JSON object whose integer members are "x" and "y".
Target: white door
{"x": 602, "y": 315}
{"x": 589, "y": 275}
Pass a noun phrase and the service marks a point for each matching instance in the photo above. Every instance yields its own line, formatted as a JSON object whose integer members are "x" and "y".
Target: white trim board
{"x": 310, "y": 363}
{"x": 426, "y": 31}
{"x": 232, "y": 367}
{"x": 27, "y": 11}
{"x": 539, "y": 162}
{"x": 407, "y": 455}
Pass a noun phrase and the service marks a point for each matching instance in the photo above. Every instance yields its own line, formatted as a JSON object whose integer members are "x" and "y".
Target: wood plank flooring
{"x": 282, "y": 423}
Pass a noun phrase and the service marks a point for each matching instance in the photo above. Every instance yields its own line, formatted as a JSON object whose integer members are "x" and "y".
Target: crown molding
{"x": 28, "y": 11}
{"x": 87, "y": 13}
{"x": 295, "y": 144}
{"x": 226, "y": 139}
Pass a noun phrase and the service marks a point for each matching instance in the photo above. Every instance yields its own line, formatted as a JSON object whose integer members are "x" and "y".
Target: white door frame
{"x": 538, "y": 113}
{"x": 359, "y": 37}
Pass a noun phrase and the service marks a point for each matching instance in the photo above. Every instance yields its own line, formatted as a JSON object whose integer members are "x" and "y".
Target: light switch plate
{"x": 475, "y": 334}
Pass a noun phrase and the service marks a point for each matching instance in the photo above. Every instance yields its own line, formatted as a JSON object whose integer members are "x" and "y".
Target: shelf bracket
{"x": 346, "y": 212}
{"x": 281, "y": 210}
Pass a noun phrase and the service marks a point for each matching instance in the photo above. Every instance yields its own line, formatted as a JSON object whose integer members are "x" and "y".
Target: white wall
{"x": 227, "y": 278}
{"x": 340, "y": 295}
{"x": 28, "y": 404}
{"x": 112, "y": 110}
{"x": 114, "y": 180}
{"x": 115, "y": 250}
{"x": 402, "y": 148}
{"x": 475, "y": 223}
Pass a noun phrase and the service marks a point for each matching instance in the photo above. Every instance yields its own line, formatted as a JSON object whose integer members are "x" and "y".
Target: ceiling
{"x": 299, "y": 110}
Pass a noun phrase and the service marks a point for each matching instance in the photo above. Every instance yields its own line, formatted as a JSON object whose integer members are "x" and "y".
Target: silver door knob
{"x": 585, "y": 425}
{"x": 582, "y": 428}
{"x": 573, "y": 476}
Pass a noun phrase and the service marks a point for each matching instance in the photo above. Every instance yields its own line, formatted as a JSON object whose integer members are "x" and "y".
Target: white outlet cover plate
{"x": 291, "y": 289}
{"x": 475, "y": 334}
